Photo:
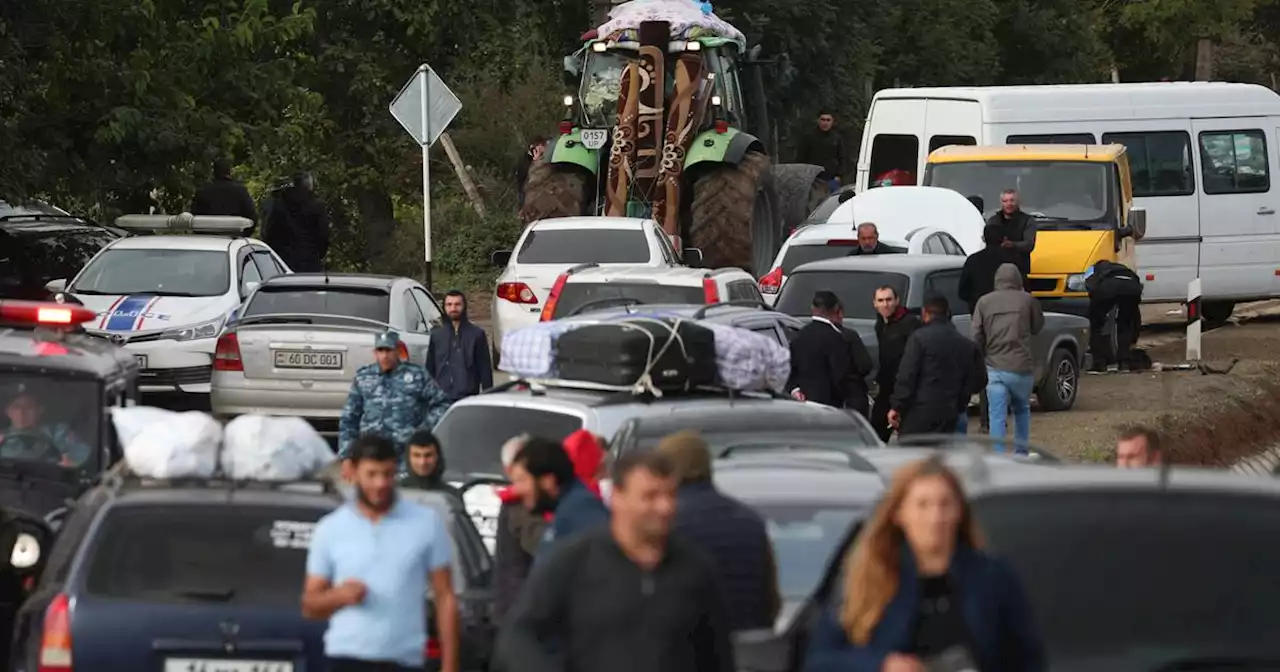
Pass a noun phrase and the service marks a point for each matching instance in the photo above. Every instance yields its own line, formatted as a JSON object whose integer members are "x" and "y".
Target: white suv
{"x": 591, "y": 286}
{"x": 549, "y": 247}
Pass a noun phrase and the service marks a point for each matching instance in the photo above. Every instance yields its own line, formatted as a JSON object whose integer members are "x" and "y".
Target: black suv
{"x": 38, "y": 246}
{"x": 203, "y": 574}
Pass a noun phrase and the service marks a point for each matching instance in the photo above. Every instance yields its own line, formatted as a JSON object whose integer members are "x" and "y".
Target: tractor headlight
{"x": 599, "y": 47}
{"x": 568, "y": 101}
{"x": 693, "y": 46}
{"x": 715, "y": 101}
{"x": 26, "y": 552}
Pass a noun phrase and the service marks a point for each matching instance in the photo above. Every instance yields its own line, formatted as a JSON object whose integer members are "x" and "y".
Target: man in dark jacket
{"x": 224, "y": 196}
{"x": 1113, "y": 287}
{"x": 516, "y": 537}
{"x": 732, "y": 533}
{"x": 978, "y": 277}
{"x": 1019, "y": 230}
{"x": 426, "y": 464}
{"x": 941, "y": 370}
{"x": 543, "y": 475}
{"x": 894, "y": 325}
{"x": 869, "y": 241}
{"x": 458, "y": 354}
{"x": 829, "y": 363}
{"x": 824, "y": 147}
{"x": 300, "y": 222}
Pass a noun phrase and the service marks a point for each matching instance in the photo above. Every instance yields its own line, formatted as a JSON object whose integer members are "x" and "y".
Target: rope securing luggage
{"x": 642, "y": 354}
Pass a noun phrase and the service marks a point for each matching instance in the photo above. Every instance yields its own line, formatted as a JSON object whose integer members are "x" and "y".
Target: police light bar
{"x": 42, "y": 314}
{"x": 185, "y": 223}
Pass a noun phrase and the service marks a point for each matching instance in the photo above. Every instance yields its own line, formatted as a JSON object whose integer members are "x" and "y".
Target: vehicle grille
{"x": 128, "y": 338}
{"x": 1044, "y": 284}
{"x": 187, "y": 375}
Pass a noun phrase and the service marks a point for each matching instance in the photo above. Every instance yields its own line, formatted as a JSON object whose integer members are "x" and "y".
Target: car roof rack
{"x": 627, "y": 395}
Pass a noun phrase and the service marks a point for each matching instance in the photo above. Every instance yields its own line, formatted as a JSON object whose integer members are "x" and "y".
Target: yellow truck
{"x": 1080, "y": 196}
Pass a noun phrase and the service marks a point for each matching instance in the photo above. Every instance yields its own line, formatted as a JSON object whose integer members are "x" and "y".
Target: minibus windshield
{"x": 1062, "y": 195}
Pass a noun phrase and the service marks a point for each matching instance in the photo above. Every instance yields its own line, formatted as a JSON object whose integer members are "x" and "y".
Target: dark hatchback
{"x": 200, "y": 575}
{"x": 729, "y": 425}
{"x": 1126, "y": 569}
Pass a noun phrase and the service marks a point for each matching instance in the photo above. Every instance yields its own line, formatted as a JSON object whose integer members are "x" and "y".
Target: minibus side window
{"x": 1159, "y": 162}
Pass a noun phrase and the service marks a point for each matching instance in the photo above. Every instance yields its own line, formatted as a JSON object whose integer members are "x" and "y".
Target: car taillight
{"x": 516, "y": 292}
{"x": 55, "y": 641}
{"x": 549, "y": 308}
{"x": 710, "y": 293}
{"x": 772, "y": 282}
{"x": 226, "y": 354}
{"x": 432, "y": 650}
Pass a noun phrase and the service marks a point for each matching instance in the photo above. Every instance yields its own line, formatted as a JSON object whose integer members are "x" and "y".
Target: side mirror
{"x": 56, "y": 286}
{"x": 572, "y": 71}
{"x": 692, "y": 257}
{"x": 500, "y": 258}
{"x": 248, "y": 288}
{"x": 1136, "y": 225}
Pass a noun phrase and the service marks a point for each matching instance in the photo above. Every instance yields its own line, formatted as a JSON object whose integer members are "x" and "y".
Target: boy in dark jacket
{"x": 426, "y": 464}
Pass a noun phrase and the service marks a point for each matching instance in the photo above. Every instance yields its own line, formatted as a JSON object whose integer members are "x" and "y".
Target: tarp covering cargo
{"x": 689, "y": 20}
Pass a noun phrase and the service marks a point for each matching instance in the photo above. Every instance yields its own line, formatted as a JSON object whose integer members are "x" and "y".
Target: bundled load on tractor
{"x": 670, "y": 122}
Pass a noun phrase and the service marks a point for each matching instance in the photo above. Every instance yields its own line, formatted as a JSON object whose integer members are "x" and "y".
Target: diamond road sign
{"x": 441, "y": 106}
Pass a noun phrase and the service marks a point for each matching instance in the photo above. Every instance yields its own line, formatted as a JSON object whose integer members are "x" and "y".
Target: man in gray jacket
{"x": 1004, "y": 323}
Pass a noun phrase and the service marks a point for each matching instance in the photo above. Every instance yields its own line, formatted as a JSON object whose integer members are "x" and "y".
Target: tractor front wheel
{"x": 735, "y": 215}
{"x": 554, "y": 190}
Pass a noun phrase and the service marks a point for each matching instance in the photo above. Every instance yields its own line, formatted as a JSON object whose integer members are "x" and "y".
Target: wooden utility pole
{"x": 460, "y": 169}
{"x": 1204, "y": 60}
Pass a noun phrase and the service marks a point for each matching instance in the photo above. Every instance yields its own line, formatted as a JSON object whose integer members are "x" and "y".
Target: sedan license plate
{"x": 141, "y": 360}
{"x": 215, "y": 665}
{"x": 307, "y": 359}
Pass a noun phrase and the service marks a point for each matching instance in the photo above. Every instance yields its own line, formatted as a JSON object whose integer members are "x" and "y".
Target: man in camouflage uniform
{"x": 391, "y": 398}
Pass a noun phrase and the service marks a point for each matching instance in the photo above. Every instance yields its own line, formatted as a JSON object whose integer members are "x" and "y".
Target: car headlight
{"x": 26, "y": 552}
{"x": 208, "y": 329}
{"x": 1075, "y": 283}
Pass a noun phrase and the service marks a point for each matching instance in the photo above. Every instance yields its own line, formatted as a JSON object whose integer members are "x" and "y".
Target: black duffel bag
{"x": 676, "y": 354}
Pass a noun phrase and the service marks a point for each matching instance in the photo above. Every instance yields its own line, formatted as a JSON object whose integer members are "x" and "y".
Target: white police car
{"x": 166, "y": 298}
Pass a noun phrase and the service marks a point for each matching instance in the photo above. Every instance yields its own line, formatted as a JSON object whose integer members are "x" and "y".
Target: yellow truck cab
{"x": 1080, "y": 196}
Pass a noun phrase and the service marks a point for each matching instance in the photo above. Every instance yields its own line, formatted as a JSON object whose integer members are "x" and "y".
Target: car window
{"x": 30, "y": 260}
{"x": 576, "y": 294}
{"x": 168, "y": 272}
{"x": 1141, "y": 574}
{"x": 855, "y": 290}
{"x": 798, "y": 255}
{"x": 668, "y": 252}
{"x": 473, "y": 435}
{"x": 1159, "y": 162}
{"x": 947, "y": 285}
{"x": 267, "y": 265}
{"x": 771, "y": 331}
{"x": 70, "y": 536}
{"x": 744, "y": 290}
{"x": 950, "y": 245}
{"x": 575, "y": 246}
{"x": 427, "y": 306}
{"x": 414, "y": 320}
{"x": 1234, "y": 162}
{"x": 939, "y": 141}
{"x": 823, "y": 212}
{"x": 804, "y": 537}
{"x": 199, "y": 554}
{"x": 368, "y": 303}
{"x": 249, "y": 272}
{"x": 49, "y": 421}
{"x": 933, "y": 245}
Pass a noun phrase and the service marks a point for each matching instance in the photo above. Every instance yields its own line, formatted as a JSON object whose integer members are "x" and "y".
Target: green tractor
{"x": 688, "y": 148}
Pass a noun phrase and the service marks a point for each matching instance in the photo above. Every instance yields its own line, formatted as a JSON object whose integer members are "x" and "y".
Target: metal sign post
{"x": 425, "y": 107}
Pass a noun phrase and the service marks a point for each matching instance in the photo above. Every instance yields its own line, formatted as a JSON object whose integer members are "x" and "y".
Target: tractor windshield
{"x": 602, "y": 84}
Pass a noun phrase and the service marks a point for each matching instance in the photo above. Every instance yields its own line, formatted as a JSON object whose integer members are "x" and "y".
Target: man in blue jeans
{"x": 1003, "y": 323}
{"x": 367, "y": 572}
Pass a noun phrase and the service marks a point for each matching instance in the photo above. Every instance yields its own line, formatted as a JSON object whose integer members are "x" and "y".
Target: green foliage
{"x": 100, "y": 103}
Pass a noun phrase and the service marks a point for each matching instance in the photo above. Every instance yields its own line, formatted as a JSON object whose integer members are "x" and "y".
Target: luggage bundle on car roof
{"x": 167, "y": 445}
{"x": 652, "y": 354}
{"x": 688, "y": 20}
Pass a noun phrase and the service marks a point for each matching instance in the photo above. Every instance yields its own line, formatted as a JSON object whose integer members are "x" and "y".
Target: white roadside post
{"x": 1193, "y": 321}
{"x": 425, "y": 107}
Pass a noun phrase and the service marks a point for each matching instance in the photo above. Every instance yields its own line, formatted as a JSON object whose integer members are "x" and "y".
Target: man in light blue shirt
{"x": 367, "y": 572}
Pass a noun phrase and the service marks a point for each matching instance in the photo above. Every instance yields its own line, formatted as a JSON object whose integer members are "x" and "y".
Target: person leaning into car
{"x": 919, "y": 593}
{"x": 829, "y": 363}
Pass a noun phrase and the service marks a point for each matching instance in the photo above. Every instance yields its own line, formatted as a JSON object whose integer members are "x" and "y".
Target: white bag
{"x": 270, "y": 448}
{"x": 166, "y": 444}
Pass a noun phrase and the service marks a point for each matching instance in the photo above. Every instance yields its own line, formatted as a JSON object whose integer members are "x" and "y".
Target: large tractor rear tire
{"x": 735, "y": 218}
{"x": 554, "y": 190}
{"x": 800, "y": 192}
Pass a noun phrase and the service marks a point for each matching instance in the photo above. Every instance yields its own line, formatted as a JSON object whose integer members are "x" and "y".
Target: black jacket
{"x": 940, "y": 368}
{"x": 891, "y": 339}
{"x": 300, "y": 224}
{"x": 459, "y": 361}
{"x": 1110, "y": 280}
{"x": 978, "y": 277}
{"x": 880, "y": 248}
{"x": 826, "y": 361}
{"x": 823, "y": 148}
{"x": 518, "y": 534}
{"x": 587, "y": 607}
{"x": 1020, "y": 228}
{"x": 735, "y": 537}
{"x": 226, "y": 197}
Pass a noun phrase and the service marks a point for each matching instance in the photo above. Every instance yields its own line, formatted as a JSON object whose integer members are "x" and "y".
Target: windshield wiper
{"x": 207, "y": 594}
{"x": 164, "y": 293}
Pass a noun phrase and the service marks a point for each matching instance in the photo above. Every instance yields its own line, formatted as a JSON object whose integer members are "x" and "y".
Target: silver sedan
{"x": 297, "y": 341}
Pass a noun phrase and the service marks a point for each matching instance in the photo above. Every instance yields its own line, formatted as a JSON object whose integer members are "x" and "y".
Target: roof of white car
{"x": 886, "y": 263}
{"x": 819, "y": 234}
{"x": 577, "y": 223}
{"x": 192, "y": 242}
{"x": 665, "y": 274}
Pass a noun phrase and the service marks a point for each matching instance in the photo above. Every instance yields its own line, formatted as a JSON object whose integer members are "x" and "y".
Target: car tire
{"x": 1216, "y": 313}
{"x": 1061, "y": 382}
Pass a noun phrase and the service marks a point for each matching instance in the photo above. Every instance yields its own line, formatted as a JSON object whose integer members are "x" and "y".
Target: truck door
{"x": 892, "y": 139}
{"x": 1238, "y": 221}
